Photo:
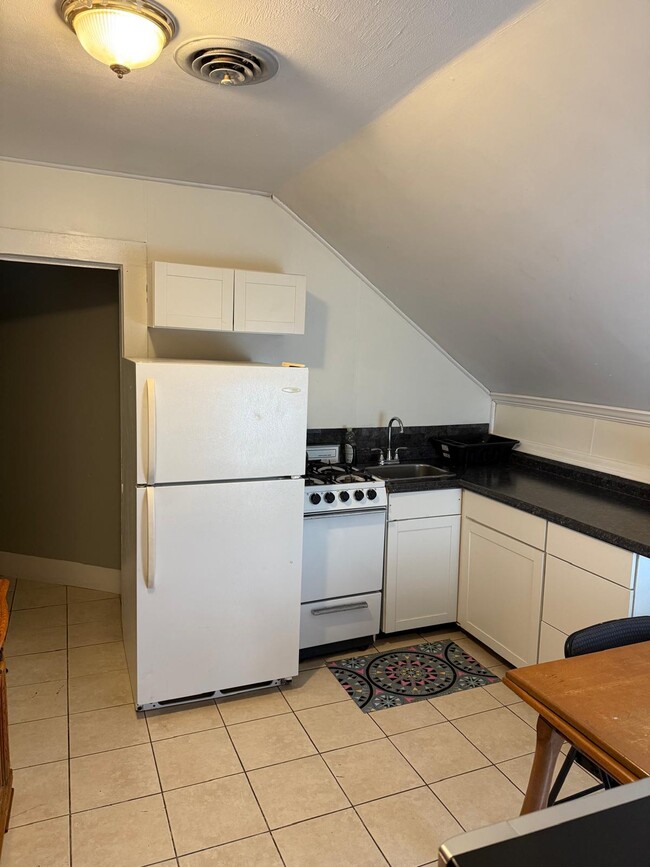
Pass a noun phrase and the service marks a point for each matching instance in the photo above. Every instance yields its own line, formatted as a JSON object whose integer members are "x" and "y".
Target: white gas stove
{"x": 337, "y": 487}
{"x": 343, "y": 552}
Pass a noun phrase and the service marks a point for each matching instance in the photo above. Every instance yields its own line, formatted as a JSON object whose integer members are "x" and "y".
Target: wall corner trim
{"x": 377, "y": 291}
{"x": 592, "y": 410}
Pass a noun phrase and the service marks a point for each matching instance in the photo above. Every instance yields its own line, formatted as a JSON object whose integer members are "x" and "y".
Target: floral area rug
{"x": 407, "y": 674}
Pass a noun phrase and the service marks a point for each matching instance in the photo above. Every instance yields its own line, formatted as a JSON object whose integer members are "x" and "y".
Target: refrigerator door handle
{"x": 151, "y": 431}
{"x": 151, "y": 539}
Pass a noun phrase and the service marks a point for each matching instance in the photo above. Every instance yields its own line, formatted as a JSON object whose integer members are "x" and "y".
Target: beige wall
{"x": 588, "y": 436}
{"x": 59, "y": 399}
{"x": 367, "y": 361}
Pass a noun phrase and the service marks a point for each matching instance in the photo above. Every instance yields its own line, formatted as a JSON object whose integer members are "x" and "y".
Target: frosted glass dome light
{"x": 123, "y": 34}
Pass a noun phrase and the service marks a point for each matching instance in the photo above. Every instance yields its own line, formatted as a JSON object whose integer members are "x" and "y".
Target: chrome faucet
{"x": 393, "y": 457}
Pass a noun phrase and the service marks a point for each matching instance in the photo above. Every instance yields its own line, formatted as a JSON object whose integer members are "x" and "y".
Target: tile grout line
{"x": 162, "y": 794}
{"x": 252, "y": 788}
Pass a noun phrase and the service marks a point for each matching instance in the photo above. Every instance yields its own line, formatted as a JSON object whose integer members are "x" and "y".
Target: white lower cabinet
{"x": 551, "y": 643}
{"x": 421, "y": 571}
{"x": 575, "y": 598}
{"x": 510, "y": 560}
{"x": 500, "y": 592}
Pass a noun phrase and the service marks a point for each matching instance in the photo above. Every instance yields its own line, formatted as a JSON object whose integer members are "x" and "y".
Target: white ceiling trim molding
{"x": 134, "y": 177}
{"x": 377, "y": 291}
{"x": 591, "y": 410}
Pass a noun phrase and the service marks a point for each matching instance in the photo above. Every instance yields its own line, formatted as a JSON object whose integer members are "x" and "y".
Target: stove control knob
{"x": 372, "y": 494}
{"x": 314, "y": 498}
{"x": 329, "y": 497}
{"x": 359, "y": 495}
{"x": 344, "y": 496}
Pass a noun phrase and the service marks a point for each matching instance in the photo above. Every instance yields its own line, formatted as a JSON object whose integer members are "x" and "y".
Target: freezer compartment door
{"x": 218, "y": 586}
{"x": 203, "y": 421}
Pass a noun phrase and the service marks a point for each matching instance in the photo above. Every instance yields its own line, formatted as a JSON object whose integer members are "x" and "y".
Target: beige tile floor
{"x": 297, "y": 776}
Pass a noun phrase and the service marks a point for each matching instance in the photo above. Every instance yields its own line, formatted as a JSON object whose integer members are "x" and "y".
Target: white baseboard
{"x": 59, "y": 572}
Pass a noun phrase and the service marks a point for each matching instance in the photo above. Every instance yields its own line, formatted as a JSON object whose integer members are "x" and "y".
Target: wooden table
{"x": 6, "y": 775}
{"x": 599, "y": 702}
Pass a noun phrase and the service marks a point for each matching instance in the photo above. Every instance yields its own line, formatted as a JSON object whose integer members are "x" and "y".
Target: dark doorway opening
{"x": 60, "y": 410}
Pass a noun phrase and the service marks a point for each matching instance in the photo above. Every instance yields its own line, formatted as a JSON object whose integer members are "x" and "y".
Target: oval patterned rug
{"x": 406, "y": 674}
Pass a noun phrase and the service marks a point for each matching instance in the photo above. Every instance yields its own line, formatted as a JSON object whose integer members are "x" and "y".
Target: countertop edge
{"x": 408, "y": 486}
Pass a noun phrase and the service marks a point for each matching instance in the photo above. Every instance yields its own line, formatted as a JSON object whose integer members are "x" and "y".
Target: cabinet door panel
{"x": 421, "y": 573}
{"x": 500, "y": 592}
{"x": 574, "y": 598}
{"x": 191, "y": 296}
{"x": 269, "y": 303}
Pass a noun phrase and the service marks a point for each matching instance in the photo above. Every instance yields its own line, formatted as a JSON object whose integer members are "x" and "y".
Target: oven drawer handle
{"x": 339, "y": 513}
{"x": 336, "y": 609}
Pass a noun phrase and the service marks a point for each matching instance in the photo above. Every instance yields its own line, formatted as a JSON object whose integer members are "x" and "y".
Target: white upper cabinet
{"x": 225, "y": 299}
{"x": 191, "y": 296}
{"x": 269, "y": 303}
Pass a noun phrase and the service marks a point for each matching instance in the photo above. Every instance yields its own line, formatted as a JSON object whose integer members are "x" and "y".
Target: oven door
{"x": 343, "y": 554}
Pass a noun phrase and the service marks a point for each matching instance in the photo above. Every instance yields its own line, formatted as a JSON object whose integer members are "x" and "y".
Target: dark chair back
{"x": 603, "y": 636}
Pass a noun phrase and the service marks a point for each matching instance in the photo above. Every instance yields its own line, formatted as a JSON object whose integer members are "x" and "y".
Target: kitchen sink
{"x": 408, "y": 471}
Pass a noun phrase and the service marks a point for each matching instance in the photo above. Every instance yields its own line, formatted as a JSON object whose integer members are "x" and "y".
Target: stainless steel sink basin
{"x": 408, "y": 471}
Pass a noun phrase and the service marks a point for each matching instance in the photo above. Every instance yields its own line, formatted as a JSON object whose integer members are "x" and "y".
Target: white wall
{"x": 602, "y": 438}
{"x": 503, "y": 204}
{"x": 367, "y": 361}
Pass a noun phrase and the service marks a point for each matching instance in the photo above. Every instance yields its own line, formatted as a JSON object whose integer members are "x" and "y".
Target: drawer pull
{"x": 335, "y": 609}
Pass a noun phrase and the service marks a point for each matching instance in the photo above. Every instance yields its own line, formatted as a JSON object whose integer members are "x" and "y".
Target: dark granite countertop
{"x": 592, "y": 503}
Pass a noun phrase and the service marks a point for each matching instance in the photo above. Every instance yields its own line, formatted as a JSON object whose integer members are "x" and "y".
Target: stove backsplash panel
{"x": 417, "y": 439}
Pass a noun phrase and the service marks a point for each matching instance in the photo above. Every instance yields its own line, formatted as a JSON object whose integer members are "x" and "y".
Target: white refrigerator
{"x": 212, "y": 526}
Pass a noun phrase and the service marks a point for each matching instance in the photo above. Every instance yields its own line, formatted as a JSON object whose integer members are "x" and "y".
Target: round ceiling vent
{"x": 230, "y": 62}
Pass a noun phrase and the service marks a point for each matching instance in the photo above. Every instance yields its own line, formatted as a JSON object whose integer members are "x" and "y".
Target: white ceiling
{"x": 342, "y": 62}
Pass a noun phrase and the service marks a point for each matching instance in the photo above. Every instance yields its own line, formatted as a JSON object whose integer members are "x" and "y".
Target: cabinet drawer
{"x": 574, "y": 598}
{"x": 512, "y": 522}
{"x": 423, "y": 504}
{"x": 339, "y": 619}
{"x": 551, "y": 643}
{"x": 591, "y": 554}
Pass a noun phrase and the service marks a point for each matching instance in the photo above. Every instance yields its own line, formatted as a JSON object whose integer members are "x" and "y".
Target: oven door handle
{"x": 341, "y": 512}
{"x": 336, "y": 609}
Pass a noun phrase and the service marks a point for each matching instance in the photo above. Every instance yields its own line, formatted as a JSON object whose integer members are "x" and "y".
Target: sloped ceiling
{"x": 504, "y": 204}
{"x": 501, "y": 199}
{"x": 342, "y": 62}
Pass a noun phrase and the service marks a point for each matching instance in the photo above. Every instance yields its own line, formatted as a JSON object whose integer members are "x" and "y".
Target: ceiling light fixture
{"x": 123, "y": 34}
